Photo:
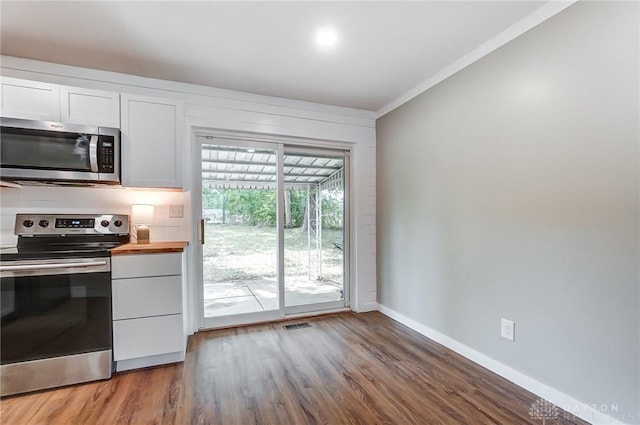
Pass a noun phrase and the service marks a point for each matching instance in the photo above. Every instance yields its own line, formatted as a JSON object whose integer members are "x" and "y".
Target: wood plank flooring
{"x": 345, "y": 369}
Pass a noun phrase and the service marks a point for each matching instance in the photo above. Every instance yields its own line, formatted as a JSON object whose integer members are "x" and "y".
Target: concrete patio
{"x": 249, "y": 296}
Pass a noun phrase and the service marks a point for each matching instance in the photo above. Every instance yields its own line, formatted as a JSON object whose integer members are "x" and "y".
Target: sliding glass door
{"x": 240, "y": 250}
{"x": 314, "y": 230}
{"x": 273, "y": 228}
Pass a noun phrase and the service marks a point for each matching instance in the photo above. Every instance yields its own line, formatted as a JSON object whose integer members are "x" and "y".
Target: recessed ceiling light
{"x": 251, "y": 150}
{"x": 326, "y": 37}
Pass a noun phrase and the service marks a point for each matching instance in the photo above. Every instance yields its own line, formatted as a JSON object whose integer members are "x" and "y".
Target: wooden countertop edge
{"x": 150, "y": 248}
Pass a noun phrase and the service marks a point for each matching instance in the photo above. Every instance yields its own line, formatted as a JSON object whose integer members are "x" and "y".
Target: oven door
{"x": 55, "y": 323}
{"x": 41, "y": 150}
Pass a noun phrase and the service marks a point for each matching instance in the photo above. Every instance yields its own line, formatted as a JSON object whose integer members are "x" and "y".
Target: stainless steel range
{"x": 56, "y": 300}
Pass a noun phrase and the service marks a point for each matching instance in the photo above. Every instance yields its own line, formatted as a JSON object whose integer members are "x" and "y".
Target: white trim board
{"x": 193, "y": 94}
{"x": 368, "y": 306}
{"x": 581, "y": 410}
{"x": 525, "y": 24}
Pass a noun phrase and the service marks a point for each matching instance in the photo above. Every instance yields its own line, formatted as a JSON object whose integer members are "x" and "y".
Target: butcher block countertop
{"x": 149, "y": 248}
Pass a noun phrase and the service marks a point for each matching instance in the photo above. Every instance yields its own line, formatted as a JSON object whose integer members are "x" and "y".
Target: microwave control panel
{"x": 106, "y": 154}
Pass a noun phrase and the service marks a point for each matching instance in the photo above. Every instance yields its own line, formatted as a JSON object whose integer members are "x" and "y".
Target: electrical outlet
{"x": 508, "y": 329}
{"x": 176, "y": 211}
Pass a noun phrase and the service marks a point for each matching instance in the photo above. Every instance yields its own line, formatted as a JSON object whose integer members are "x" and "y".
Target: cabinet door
{"x": 30, "y": 100}
{"x": 152, "y": 140}
{"x": 90, "y": 107}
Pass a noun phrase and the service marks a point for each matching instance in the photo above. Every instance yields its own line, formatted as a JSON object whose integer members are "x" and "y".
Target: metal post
{"x": 309, "y": 231}
{"x": 319, "y": 230}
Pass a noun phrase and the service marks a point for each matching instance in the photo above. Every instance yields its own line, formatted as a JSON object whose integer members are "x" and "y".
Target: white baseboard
{"x": 581, "y": 410}
{"x": 143, "y": 362}
{"x": 370, "y": 306}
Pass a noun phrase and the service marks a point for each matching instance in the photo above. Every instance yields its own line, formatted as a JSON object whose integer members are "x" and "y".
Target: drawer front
{"x": 146, "y": 296}
{"x": 149, "y": 336}
{"x": 146, "y": 265}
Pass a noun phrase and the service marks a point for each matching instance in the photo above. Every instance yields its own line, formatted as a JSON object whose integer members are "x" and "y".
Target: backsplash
{"x": 93, "y": 200}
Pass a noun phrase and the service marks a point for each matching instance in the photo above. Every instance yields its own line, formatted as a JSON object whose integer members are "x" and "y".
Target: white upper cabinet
{"x": 86, "y": 106}
{"x": 30, "y": 99}
{"x": 152, "y": 142}
{"x": 51, "y": 102}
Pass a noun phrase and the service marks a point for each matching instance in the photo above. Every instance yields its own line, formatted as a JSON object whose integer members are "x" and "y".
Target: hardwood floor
{"x": 345, "y": 369}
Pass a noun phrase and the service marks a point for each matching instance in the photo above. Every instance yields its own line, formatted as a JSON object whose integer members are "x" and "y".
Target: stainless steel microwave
{"x": 58, "y": 152}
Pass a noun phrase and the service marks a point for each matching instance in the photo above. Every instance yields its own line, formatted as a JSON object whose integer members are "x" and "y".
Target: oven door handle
{"x": 35, "y": 267}
{"x": 93, "y": 153}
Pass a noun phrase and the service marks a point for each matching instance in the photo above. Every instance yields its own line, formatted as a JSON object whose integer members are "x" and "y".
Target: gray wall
{"x": 511, "y": 190}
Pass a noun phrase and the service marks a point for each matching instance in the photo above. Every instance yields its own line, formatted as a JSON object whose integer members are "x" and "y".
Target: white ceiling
{"x": 385, "y": 48}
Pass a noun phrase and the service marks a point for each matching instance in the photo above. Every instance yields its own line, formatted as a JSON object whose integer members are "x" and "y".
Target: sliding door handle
{"x": 202, "y": 231}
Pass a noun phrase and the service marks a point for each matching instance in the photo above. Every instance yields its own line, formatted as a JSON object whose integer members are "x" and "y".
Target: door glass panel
{"x": 314, "y": 229}
{"x": 45, "y": 149}
{"x": 239, "y": 206}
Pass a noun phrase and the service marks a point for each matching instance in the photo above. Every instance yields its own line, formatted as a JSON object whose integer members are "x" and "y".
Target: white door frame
{"x": 278, "y": 145}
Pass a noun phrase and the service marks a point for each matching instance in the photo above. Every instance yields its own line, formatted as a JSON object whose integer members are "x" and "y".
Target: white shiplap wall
{"x": 98, "y": 200}
{"x": 219, "y": 109}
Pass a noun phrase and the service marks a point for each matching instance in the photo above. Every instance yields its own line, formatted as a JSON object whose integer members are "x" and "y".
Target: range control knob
{"x": 117, "y": 223}
{"x": 104, "y": 223}
{"x": 27, "y": 223}
{"x": 43, "y": 223}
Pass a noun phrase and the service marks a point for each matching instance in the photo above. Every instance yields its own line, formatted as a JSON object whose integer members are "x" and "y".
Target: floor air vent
{"x": 297, "y": 326}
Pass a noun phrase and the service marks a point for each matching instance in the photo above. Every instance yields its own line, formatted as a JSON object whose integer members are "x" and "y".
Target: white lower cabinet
{"x": 148, "y": 325}
{"x": 147, "y": 336}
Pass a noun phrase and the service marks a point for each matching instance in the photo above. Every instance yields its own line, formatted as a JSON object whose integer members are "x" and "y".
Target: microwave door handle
{"x": 93, "y": 153}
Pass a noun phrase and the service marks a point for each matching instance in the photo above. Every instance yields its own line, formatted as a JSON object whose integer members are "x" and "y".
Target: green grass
{"x": 234, "y": 252}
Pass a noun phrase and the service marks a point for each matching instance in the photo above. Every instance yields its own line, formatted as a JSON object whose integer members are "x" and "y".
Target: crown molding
{"x": 545, "y": 12}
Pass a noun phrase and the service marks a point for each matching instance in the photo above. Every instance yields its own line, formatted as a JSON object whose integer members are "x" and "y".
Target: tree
{"x": 332, "y": 209}
{"x": 252, "y": 206}
{"x": 211, "y": 198}
{"x": 258, "y": 206}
